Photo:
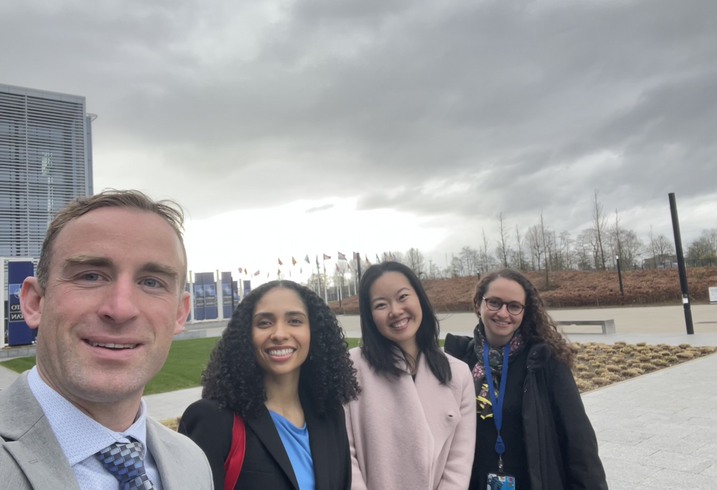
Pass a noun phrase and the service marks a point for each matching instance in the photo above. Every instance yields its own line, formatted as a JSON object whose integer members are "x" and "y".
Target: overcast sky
{"x": 294, "y": 127}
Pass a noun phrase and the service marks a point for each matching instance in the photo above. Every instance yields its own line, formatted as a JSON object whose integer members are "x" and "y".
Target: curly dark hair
{"x": 235, "y": 380}
{"x": 537, "y": 326}
{"x": 384, "y": 355}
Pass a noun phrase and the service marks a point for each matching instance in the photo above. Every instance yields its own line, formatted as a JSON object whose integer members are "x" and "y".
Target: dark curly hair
{"x": 384, "y": 355}
{"x": 235, "y": 380}
{"x": 537, "y": 326}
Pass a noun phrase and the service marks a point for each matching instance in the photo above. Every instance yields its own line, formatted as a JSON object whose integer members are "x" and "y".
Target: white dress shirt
{"x": 80, "y": 437}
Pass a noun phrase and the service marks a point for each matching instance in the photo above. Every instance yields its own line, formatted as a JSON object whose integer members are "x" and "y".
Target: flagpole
{"x": 318, "y": 276}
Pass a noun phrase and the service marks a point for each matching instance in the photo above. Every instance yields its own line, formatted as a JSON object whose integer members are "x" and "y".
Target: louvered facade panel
{"x": 45, "y": 162}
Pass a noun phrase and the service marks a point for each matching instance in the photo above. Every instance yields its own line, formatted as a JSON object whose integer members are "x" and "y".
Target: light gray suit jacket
{"x": 31, "y": 457}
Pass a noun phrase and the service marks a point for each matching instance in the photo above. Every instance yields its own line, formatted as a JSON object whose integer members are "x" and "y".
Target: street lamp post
{"x": 619, "y": 274}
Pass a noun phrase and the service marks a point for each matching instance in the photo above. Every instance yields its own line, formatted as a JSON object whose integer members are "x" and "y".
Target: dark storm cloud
{"x": 437, "y": 108}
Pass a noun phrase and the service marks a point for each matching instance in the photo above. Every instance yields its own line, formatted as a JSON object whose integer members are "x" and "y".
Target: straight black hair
{"x": 384, "y": 355}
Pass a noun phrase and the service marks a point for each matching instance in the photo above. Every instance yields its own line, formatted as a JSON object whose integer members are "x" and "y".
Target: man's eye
{"x": 152, "y": 283}
{"x": 90, "y": 276}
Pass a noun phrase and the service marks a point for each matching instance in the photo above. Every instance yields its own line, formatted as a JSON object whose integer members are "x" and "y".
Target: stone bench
{"x": 608, "y": 326}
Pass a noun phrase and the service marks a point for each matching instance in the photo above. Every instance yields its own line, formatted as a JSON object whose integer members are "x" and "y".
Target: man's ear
{"x": 182, "y": 312}
{"x": 31, "y": 296}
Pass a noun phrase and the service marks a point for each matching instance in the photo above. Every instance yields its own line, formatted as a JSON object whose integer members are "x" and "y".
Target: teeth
{"x": 400, "y": 324}
{"x": 113, "y": 346}
{"x": 280, "y": 352}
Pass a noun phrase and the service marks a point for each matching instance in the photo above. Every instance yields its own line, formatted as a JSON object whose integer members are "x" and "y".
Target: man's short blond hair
{"x": 168, "y": 210}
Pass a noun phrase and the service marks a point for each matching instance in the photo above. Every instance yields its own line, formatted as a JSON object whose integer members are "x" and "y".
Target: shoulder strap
{"x": 235, "y": 459}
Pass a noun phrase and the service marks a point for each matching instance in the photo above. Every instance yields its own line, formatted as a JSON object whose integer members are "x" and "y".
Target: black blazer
{"x": 266, "y": 464}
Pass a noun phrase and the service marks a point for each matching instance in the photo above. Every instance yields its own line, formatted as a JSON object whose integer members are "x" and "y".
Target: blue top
{"x": 296, "y": 444}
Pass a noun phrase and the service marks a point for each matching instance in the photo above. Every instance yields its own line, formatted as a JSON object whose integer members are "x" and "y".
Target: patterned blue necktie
{"x": 126, "y": 463}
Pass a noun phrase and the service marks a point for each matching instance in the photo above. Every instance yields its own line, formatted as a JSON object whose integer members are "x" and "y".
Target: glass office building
{"x": 45, "y": 162}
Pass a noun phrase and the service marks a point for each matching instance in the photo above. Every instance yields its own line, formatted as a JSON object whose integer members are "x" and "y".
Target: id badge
{"x": 500, "y": 482}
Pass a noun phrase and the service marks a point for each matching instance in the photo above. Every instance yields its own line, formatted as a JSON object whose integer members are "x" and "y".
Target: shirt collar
{"x": 80, "y": 436}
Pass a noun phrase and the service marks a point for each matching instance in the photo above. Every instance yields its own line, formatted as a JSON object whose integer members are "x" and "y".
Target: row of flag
{"x": 341, "y": 257}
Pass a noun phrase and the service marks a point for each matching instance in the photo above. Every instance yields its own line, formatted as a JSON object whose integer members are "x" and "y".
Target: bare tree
{"x": 704, "y": 248}
{"x": 434, "y": 272}
{"x": 564, "y": 254}
{"x": 616, "y": 245}
{"x": 519, "y": 259}
{"x": 624, "y": 243}
{"x": 547, "y": 242}
{"x": 661, "y": 249}
{"x": 415, "y": 261}
{"x": 584, "y": 250}
{"x": 470, "y": 261}
{"x": 486, "y": 262}
{"x": 503, "y": 246}
{"x": 535, "y": 245}
{"x": 599, "y": 227}
{"x": 455, "y": 267}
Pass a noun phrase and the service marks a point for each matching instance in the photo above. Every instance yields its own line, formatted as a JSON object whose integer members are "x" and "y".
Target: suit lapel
{"x": 161, "y": 451}
{"x": 30, "y": 440}
{"x": 265, "y": 430}
{"x": 318, "y": 437}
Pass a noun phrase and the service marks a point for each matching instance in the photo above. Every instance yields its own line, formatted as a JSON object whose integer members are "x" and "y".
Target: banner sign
{"x": 210, "y": 297}
{"x": 198, "y": 298}
{"x": 247, "y": 287}
{"x": 713, "y": 295}
{"x": 227, "y": 293}
{"x": 205, "y": 296}
{"x": 18, "y": 333}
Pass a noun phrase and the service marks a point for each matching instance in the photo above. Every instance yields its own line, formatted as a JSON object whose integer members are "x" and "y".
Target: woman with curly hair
{"x": 532, "y": 430}
{"x": 413, "y": 427}
{"x": 282, "y": 365}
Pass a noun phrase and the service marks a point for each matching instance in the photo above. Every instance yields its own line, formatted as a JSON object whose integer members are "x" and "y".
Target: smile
{"x": 280, "y": 352}
{"x": 400, "y": 324}
{"x": 112, "y": 346}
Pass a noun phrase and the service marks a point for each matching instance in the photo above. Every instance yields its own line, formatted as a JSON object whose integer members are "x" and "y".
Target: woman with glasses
{"x": 532, "y": 430}
{"x": 412, "y": 427}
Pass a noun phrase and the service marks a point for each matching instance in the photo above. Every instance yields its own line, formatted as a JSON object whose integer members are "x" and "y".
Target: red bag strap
{"x": 235, "y": 459}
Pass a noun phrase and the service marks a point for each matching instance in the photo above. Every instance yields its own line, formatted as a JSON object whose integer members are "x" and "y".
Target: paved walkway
{"x": 659, "y": 431}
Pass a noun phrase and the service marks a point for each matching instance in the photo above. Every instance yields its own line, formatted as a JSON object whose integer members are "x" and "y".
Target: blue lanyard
{"x": 497, "y": 404}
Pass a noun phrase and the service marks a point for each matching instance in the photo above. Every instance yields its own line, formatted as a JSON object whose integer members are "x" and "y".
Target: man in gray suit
{"x": 107, "y": 300}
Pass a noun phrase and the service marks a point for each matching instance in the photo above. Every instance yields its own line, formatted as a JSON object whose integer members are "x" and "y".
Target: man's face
{"x": 111, "y": 306}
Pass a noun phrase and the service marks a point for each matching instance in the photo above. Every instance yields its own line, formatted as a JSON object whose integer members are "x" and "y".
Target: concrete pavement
{"x": 659, "y": 431}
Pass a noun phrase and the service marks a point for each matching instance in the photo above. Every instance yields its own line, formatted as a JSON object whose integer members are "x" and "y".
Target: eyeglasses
{"x": 494, "y": 304}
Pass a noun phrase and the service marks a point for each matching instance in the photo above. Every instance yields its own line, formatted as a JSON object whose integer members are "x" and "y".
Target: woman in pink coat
{"x": 413, "y": 426}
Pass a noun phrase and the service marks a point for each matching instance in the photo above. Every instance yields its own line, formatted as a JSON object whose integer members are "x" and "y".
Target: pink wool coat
{"x": 407, "y": 435}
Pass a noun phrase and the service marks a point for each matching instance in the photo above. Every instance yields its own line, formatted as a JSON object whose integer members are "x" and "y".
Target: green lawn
{"x": 183, "y": 368}
{"x": 19, "y": 365}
